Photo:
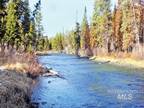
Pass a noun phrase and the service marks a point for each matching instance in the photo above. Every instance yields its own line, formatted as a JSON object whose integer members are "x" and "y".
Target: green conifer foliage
{"x": 85, "y": 32}
{"x": 101, "y": 24}
{"x": 11, "y": 23}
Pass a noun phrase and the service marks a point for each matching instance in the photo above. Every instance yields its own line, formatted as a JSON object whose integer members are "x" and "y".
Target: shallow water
{"x": 88, "y": 84}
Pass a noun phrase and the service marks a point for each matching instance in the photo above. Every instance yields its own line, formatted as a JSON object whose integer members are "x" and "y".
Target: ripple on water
{"x": 88, "y": 85}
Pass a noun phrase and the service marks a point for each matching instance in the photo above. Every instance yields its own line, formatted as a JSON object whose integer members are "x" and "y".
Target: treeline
{"x": 20, "y": 28}
{"x": 110, "y": 31}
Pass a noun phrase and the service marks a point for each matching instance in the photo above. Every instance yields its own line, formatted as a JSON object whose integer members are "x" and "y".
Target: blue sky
{"x": 59, "y": 15}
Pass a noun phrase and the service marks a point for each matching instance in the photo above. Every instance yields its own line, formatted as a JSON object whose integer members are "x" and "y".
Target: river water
{"x": 88, "y": 84}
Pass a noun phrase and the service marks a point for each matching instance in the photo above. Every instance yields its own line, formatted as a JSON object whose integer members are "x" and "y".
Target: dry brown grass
{"x": 25, "y": 63}
{"x": 122, "y": 59}
{"x": 14, "y": 90}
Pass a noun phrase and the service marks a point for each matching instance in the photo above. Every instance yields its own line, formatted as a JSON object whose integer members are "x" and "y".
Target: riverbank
{"x": 42, "y": 53}
{"x": 14, "y": 90}
{"x": 126, "y": 62}
{"x": 17, "y": 73}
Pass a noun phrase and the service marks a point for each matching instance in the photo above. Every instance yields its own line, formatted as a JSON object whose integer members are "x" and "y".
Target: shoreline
{"x": 123, "y": 62}
{"x": 17, "y": 76}
{"x": 17, "y": 80}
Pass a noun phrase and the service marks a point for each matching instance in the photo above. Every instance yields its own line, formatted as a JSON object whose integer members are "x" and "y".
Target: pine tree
{"x": 127, "y": 26}
{"x": 26, "y": 16}
{"x": 2, "y": 21}
{"x": 77, "y": 38}
{"x": 101, "y": 24}
{"x": 38, "y": 20}
{"x": 70, "y": 41}
{"x": 57, "y": 42}
{"x": 46, "y": 44}
{"x": 31, "y": 37}
{"x": 85, "y": 32}
{"x": 11, "y": 24}
{"x": 117, "y": 35}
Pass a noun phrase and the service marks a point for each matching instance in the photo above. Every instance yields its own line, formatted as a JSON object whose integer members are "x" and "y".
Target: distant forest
{"x": 119, "y": 31}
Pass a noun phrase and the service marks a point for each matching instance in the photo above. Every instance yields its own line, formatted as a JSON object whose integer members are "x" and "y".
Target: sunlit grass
{"x": 129, "y": 61}
{"x": 20, "y": 67}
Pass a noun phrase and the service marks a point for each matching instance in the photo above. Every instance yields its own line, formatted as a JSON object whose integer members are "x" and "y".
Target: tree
{"x": 77, "y": 38}
{"x": 46, "y": 44}
{"x": 11, "y": 24}
{"x": 38, "y": 18}
{"x": 2, "y": 22}
{"x": 101, "y": 24}
{"x": 31, "y": 37}
{"x": 85, "y": 32}
{"x": 17, "y": 28}
{"x": 26, "y": 16}
{"x": 117, "y": 22}
{"x": 57, "y": 42}
{"x": 70, "y": 42}
{"x": 127, "y": 26}
{"x": 27, "y": 25}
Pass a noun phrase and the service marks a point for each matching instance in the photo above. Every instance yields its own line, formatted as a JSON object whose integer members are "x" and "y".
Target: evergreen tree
{"x": 85, "y": 32}
{"x": 101, "y": 24}
{"x": 127, "y": 25}
{"x": 70, "y": 40}
{"x": 57, "y": 42}
{"x": 117, "y": 35}
{"x": 2, "y": 21}
{"x": 11, "y": 24}
{"x": 46, "y": 44}
{"x": 77, "y": 38}
{"x": 26, "y": 16}
{"x": 26, "y": 25}
{"x": 31, "y": 37}
{"x": 38, "y": 18}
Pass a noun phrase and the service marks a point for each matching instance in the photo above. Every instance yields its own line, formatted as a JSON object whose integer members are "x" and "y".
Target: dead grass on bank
{"x": 121, "y": 59}
{"x": 14, "y": 90}
{"x": 23, "y": 63}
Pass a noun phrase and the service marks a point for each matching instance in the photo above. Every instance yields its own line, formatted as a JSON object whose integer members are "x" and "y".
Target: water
{"x": 88, "y": 84}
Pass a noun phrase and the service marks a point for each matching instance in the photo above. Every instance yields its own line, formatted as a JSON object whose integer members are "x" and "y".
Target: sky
{"x": 61, "y": 15}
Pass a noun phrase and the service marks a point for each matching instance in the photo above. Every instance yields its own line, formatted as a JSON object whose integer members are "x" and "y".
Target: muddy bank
{"x": 14, "y": 90}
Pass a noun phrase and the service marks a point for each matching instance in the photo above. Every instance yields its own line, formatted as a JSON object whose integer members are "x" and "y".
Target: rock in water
{"x": 52, "y": 73}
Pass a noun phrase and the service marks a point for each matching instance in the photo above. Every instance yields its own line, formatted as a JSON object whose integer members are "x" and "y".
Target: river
{"x": 88, "y": 84}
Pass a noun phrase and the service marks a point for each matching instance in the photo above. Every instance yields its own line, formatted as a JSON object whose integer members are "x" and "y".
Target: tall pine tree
{"x": 127, "y": 25}
{"x": 85, "y": 32}
{"x": 117, "y": 22}
{"x": 101, "y": 24}
{"x": 77, "y": 38}
{"x": 11, "y": 24}
{"x": 38, "y": 20}
{"x": 2, "y": 21}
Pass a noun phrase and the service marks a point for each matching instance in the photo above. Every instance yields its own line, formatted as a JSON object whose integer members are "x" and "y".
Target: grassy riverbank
{"x": 126, "y": 62}
{"x": 16, "y": 76}
{"x": 14, "y": 90}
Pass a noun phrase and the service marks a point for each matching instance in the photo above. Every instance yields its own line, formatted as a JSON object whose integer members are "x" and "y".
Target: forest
{"x": 21, "y": 28}
{"x": 98, "y": 63}
{"x": 110, "y": 32}
{"x": 118, "y": 32}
